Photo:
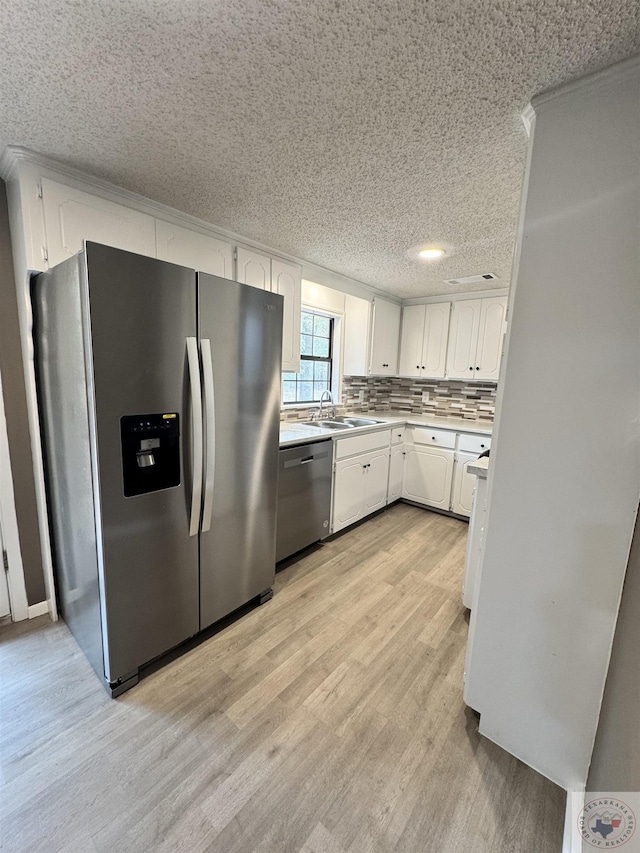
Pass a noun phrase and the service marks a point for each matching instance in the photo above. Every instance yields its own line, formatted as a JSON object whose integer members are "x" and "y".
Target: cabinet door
{"x": 428, "y": 472}
{"x": 464, "y": 484}
{"x": 412, "y": 340}
{"x": 253, "y": 269}
{"x": 396, "y": 471}
{"x": 490, "y": 336}
{"x": 376, "y": 480}
{"x": 347, "y": 492}
{"x": 191, "y": 249}
{"x": 71, "y": 216}
{"x": 357, "y": 313}
{"x": 385, "y": 338}
{"x": 285, "y": 280}
{"x": 436, "y": 334}
{"x": 475, "y": 542}
{"x": 463, "y": 339}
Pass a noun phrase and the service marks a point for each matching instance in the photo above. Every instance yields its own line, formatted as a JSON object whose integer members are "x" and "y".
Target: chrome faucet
{"x": 322, "y": 400}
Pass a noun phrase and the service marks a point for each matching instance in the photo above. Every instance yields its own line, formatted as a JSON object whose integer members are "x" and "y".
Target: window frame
{"x": 314, "y": 358}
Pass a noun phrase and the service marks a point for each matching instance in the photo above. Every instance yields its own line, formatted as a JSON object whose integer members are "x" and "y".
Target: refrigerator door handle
{"x": 210, "y": 421}
{"x": 196, "y": 431}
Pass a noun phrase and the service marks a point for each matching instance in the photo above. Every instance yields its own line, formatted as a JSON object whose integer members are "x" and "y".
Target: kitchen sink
{"x": 358, "y": 422}
{"x": 341, "y": 423}
{"x": 329, "y": 424}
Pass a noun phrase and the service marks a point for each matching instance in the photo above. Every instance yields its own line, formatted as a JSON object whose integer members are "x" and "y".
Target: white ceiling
{"x": 340, "y": 131}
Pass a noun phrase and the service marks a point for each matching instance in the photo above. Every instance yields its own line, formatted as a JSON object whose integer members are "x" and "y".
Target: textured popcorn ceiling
{"x": 343, "y": 132}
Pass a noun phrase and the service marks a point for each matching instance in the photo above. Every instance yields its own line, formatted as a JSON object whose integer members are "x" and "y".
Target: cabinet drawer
{"x": 362, "y": 443}
{"x": 474, "y": 443}
{"x": 436, "y": 437}
{"x": 397, "y": 435}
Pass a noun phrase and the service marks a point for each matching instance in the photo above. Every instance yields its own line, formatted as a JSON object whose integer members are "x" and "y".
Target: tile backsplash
{"x": 442, "y": 397}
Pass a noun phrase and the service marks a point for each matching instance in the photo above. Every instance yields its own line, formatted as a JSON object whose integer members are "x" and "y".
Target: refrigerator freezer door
{"x": 237, "y": 553}
{"x": 141, "y": 313}
{"x": 65, "y": 426}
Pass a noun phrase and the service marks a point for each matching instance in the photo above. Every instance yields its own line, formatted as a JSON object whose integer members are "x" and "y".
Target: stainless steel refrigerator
{"x": 159, "y": 394}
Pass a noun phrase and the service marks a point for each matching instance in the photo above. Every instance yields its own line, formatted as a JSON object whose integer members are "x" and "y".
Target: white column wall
{"x": 564, "y": 478}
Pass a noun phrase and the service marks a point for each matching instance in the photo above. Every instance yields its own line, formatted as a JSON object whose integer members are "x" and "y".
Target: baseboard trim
{"x": 38, "y": 609}
{"x": 571, "y": 840}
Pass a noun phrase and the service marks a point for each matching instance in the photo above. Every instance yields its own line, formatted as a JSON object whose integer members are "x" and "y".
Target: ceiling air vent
{"x": 471, "y": 279}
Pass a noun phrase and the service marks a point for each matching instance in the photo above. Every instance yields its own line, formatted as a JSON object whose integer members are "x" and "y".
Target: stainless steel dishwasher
{"x": 304, "y": 496}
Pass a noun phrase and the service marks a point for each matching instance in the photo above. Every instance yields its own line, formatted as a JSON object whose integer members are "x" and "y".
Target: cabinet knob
{"x": 423, "y": 367}
{"x": 433, "y": 438}
{"x": 481, "y": 446}
{"x": 417, "y": 367}
{"x": 477, "y": 368}
{"x": 471, "y": 368}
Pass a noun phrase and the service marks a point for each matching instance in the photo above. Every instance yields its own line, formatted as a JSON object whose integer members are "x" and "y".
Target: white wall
{"x": 565, "y": 471}
{"x": 615, "y": 765}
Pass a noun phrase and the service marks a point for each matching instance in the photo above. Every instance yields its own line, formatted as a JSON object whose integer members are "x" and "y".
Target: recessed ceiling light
{"x": 431, "y": 254}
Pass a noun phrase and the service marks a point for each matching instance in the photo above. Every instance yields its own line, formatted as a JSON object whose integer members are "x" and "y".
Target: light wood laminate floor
{"x": 330, "y": 720}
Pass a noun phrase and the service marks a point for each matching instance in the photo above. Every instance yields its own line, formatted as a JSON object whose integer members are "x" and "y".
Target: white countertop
{"x": 480, "y": 467}
{"x": 298, "y": 433}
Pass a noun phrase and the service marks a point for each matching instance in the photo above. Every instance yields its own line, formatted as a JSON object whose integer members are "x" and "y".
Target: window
{"x": 316, "y": 351}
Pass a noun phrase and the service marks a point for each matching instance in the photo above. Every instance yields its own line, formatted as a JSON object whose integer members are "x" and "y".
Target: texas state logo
{"x": 606, "y": 823}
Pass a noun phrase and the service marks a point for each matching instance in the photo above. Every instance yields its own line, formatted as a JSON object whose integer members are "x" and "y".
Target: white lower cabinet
{"x": 428, "y": 473}
{"x": 360, "y": 487}
{"x": 348, "y": 491}
{"x": 435, "y": 468}
{"x": 376, "y": 478}
{"x": 361, "y": 477}
{"x": 463, "y": 484}
{"x": 419, "y": 464}
{"x": 396, "y": 473}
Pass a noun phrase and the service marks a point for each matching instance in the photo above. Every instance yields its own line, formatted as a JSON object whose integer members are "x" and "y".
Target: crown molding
{"x": 15, "y": 155}
{"x": 458, "y": 296}
{"x": 619, "y": 71}
{"x": 528, "y": 116}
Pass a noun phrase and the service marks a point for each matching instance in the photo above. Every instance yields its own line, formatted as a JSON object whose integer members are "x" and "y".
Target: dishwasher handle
{"x": 305, "y": 460}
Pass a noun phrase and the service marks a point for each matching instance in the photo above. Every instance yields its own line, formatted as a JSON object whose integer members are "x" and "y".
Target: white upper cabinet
{"x": 253, "y": 268}
{"x": 192, "y": 249}
{"x": 357, "y": 316}
{"x": 423, "y": 347}
{"x": 490, "y": 337}
{"x": 411, "y": 340}
{"x": 283, "y": 277}
{"x": 463, "y": 339}
{"x": 71, "y": 216}
{"x": 436, "y": 334}
{"x": 323, "y": 298}
{"x": 285, "y": 280}
{"x": 475, "y": 338}
{"x": 385, "y": 337}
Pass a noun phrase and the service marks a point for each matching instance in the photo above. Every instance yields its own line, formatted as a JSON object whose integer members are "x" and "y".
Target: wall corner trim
{"x": 528, "y": 115}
